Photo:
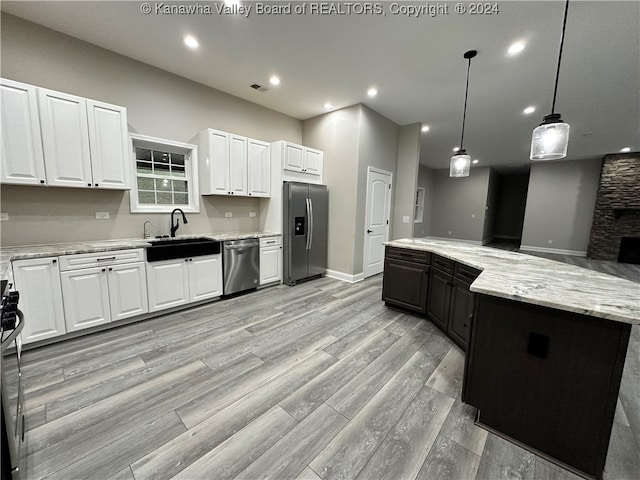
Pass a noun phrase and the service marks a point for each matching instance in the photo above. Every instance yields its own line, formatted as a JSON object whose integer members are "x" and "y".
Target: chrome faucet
{"x": 177, "y": 224}
{"x": 144, "y": 230}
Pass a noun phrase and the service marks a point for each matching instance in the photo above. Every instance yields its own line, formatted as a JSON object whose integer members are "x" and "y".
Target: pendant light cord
{"x": 464, "y": 112}
{"x": 564, "y": 26}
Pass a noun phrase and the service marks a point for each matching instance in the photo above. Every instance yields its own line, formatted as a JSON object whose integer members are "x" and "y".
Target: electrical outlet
{"x": 252, "y": 214}
{"x": 405, "y": 219}
{"x": 228, "y": 214}
{"x": 549, "y": 242}
{"x": 473, "y": 215}
{"x": 102, "y": 215}
{"x": 4, "y": 217}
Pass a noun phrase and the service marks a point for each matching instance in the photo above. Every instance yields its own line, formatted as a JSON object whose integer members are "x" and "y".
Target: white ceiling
{"x": 416, "y": 64}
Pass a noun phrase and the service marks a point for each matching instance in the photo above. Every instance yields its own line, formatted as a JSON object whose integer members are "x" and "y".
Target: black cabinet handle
{"x": 104, "y": 269}
{"x": 54, "y": 261}
{"x": 41, "y": 181}
{"x": 465, "y": 325}
{"x": 110, "y": 269}
{"x": 23, "y": 426}
{"x": 96, "y": 184}
{"x": 369, "y": 231}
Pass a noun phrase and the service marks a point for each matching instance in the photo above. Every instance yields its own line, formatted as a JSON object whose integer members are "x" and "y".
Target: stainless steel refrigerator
{"x": 306, "y": 209}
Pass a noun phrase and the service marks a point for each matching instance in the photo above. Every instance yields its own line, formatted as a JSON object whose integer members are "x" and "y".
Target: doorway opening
{"x": 510, "y": 190}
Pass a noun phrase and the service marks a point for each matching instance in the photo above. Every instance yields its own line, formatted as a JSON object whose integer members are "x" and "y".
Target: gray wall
{"x": 491, "y": 210}
{"x": 158, "y": 103}
{"x": 406, "y": 180}
{"x": 560, "y": 205}
{"x": 459, "y": 205}
{"x": 337, "y": 134}
{"x": 426, "y": 179}
{"x": 378, "y": 148}
{"x": 355, "y": 138}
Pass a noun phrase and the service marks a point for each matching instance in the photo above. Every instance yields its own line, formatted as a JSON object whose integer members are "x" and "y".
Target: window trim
{"x": 190, "y": 153}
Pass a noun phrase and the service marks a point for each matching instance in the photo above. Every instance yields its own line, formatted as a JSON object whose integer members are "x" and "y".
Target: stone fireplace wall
{"x": 619, "y": 189}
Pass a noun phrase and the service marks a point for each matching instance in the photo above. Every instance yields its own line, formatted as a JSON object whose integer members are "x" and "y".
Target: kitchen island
{"x": 546, "y": 346}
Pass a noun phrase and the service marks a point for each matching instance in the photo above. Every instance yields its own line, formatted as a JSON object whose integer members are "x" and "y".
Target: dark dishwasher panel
{"x": 241, "y": 264}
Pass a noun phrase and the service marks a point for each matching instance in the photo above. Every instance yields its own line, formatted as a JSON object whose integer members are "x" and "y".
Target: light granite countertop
{"x": 8, "y": 254}
{"x": 540, "y": 281}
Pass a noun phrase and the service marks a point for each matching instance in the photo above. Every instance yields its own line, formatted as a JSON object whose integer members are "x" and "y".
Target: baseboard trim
{"x": 345, "y": 277}
{"x": 473, "y": 242}
{"x": 558, "y": 251}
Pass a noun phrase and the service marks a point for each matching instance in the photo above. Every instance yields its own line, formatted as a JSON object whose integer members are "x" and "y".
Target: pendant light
{"x": 461, "y": 162}
{"x": 550, "y": 139}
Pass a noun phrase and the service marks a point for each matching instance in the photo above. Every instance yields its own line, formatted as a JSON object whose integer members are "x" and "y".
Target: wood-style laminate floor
{"x": 315, "y": 381}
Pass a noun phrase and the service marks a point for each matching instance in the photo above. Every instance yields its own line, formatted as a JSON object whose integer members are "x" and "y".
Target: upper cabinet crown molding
{"x": 233, "y": 165}
{"x": 57, "y": 139}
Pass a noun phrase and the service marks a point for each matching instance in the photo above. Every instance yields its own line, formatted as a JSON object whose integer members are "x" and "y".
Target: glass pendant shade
{"x": 550, "y": 139}
{"x": 460, "y": 164}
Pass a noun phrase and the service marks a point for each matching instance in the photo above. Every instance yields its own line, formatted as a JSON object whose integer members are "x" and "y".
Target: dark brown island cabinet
{"x": 433, "y": 286}
{"x": 544, "y": 378}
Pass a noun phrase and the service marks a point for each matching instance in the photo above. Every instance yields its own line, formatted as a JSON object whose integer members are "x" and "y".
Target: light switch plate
{"x": 228, "y": 214}
{"x": 102, "y": 215}
{"x": 4, "y": 217}
{"x": 405, "y": 219}
{"x": 252, "y": 214}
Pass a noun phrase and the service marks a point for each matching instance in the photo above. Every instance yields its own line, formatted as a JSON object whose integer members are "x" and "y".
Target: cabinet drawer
{"x": 441, "y": 263}
{"x": 87, "y": 260}
{"x": 415, "y": 256}
{"x": 270, "y": 241}
{"x": 466, "y": 273}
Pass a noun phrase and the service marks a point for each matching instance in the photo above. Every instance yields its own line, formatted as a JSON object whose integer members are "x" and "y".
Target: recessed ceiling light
{"x": 328, "y": 106}
{"x": 425, "y": 128}
{"x": 625, "y": 150}
{"x": 516, "y": 47}
{"x": 191, "y": 41}
{"x": 529, "y": 110}
{"x": 274, "y": 80}
{"x": 475, "y": 161}
{"x": 455, "y": 149}
{"x": 372, "y": 92}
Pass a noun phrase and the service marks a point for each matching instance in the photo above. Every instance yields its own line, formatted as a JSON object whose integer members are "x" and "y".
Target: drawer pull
{"x": 106, "y": 259}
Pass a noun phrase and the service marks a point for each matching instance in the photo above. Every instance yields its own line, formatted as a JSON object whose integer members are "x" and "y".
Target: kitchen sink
{"x": 171, "y": 248}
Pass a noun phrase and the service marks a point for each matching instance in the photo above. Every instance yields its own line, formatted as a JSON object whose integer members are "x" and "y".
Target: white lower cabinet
{"x": 172, "y": 283}
{"x": 270, "y": 260}
{"x": 38, "y": 281}
{"x": 100, "y": 294}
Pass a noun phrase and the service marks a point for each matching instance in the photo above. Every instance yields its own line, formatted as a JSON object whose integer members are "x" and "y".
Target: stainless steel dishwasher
{"x": 241, "y": 263}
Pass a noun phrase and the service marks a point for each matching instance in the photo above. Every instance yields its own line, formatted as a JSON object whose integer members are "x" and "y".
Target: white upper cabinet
{"x": 53, "y": 138}
{"x": 233, "y": 165}
{"x": 237, "y": 165}
{"x": 108, "y": 144}
{"x": 22, "y": 158}
{"x": 65, "y": 139}
{"x": 259, "y": 160}
{"x": 299, "y": 163}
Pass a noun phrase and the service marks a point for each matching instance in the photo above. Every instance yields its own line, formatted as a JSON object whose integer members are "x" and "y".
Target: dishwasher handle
{"x": 238, "y": 244}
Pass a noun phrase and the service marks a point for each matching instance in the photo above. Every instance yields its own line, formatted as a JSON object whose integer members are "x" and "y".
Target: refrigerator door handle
{"x": 307, "y": 202}
{"x": 310, "y": 224}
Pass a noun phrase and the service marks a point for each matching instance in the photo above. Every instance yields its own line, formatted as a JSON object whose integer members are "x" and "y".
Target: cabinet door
{"x": 270, "y": 265}
{"x": 22, "y": 158}
{"x": 439, "y": 297}
{"x": 238, "y": 165}
{"x": 168, "y": 284}
{"x": 313, "y": 162}
{"x": 127, "y": 290}
{"x": 108, "y": 145}
{"x": 86, "y": 298}
{"x": 259, "y": 165}
{"x": 65, "y": 139}
{"x": 405, "y": 284}
{"x": 38, "y": 281}
{"x": 205, "y": 277}
{"x": 293, "y": 157}
{"x": 461, "y": 312}
{"x": 215, "y": 171}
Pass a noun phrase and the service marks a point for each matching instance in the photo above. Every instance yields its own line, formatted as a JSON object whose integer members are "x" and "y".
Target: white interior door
{"x": 376, "y": 223}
